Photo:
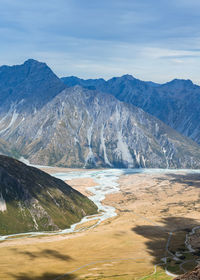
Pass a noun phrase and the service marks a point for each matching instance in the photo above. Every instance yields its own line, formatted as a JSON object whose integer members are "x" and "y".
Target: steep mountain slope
{"x": 24, "y": 89}
{"x": 85, "y": 128}
{"x": 31, "y": 200}
{"x": 5, "y": 148}
{"x": 176, "y": 103}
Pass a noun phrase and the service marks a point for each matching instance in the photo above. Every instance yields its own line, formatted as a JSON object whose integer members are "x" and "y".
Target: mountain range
{"x": 96, "y": 123}
{"x": 176, "y": 103}
{"x": 32, "y": 200}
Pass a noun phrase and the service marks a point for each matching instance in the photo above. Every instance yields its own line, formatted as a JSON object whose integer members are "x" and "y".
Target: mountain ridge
{"x": 32, "y": 200}
{"x": 176, "y": 103}
{"x": 82, "y": 126}
{"x": 27, "y": 83}
{"x": 85, "y": 128}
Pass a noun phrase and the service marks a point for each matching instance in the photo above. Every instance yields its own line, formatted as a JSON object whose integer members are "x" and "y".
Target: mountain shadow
{"x": 47, "y": 253}
{"x": 44, "y": 276}
{"x": 188, "y": 180}
{"x": 166, "y": 243}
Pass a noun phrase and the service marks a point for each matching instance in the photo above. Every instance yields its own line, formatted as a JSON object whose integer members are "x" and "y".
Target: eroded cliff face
{"x": 176, "y": 103}
{"x": 85, "y": 128}
{"x": 31, "y": 200}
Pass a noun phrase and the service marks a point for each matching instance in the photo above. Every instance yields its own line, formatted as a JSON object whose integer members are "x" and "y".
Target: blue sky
{"x": 151, "y": 39}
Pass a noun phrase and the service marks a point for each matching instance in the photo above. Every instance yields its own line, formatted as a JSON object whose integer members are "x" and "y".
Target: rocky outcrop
{"x": 193, "y": 275}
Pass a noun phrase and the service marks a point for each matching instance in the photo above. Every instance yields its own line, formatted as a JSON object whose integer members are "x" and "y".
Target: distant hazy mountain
{"x": 176, "y": 103}
{"x": 82, "y": 127}
{"x": 31, "y": 200}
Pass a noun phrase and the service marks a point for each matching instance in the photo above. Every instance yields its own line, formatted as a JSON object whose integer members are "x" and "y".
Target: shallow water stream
{"x": 106, "y": 183}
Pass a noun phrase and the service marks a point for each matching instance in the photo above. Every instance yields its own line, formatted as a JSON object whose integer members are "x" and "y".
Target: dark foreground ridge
{"x": 32, "y": 200}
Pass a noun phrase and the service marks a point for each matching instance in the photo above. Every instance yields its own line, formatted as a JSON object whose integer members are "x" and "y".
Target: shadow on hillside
{"x": 47, "y": 253}
{"x": 158, "y": 237}
{"x": 188, "y": 180}
{"x": 44, "y": 255}
{"x": 44, "y": 276}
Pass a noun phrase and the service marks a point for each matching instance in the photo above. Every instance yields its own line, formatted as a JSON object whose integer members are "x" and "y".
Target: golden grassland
{"x": 127, "y": 247}
{"x": 86, "y": 225}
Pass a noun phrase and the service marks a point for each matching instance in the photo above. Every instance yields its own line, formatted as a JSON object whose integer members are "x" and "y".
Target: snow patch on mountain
{"x": 103, "y": 146}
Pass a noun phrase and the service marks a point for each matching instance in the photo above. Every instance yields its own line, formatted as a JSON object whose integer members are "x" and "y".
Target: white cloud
{"x": 150, "y": 39}
{"x": 156, "y": 53}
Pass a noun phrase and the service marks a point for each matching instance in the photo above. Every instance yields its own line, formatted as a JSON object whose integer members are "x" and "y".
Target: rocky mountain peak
{"x": 32, "y": 81}
{"x": 32, "y": 61}
{"x": 35, "y": 65}
{"x": 176, "y": 103}
{"x": 128, "y": 77}
{"x": 180, "y": 83}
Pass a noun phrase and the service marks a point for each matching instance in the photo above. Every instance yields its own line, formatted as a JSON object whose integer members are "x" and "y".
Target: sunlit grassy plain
{"x": 126, "y": 247}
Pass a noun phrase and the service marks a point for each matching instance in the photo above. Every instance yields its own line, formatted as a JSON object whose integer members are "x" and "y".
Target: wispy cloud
{"x": 147, "y": 38}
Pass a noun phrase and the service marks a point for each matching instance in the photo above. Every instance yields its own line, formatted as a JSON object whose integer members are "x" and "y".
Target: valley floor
{"x": 156, "y": 213}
